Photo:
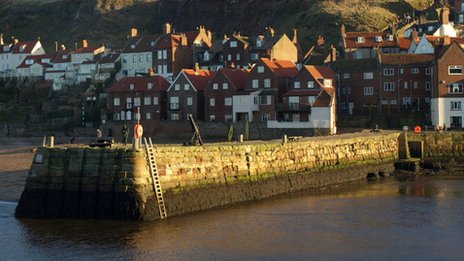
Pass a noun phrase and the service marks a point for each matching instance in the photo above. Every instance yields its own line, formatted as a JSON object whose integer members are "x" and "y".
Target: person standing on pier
{"x": 125, "y": 134}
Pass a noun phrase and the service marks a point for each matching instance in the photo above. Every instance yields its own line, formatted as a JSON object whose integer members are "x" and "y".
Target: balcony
{"x": 294, "y": 107}
{"x": 174, "y": 106}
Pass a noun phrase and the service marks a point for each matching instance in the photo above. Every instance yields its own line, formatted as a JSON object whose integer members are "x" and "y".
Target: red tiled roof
{"x": 406, "y": 59}
{"x": 24, "y": 47}
{"x": 236, "y": 76}
{"x": 140, "y": 84}
{"x": 369, "y": 40}
{"x": 167, "y": 41}
{"x": 323, "y": 100}
{"x": 37, "y": 59}
{"x": 404, "y": 43}
{"x": 60, "y": 59}
{"x": 281, "y": 68}
{"x": 438, "y": 40}
{"x": 199, "y": 79}
{"x": 322, "y": 72}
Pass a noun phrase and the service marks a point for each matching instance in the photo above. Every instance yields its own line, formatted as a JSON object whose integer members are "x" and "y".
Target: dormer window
{"x": 152, "y": 43}
{"x": 22, "y": 48}
{"x": 132, "y": 46}
{"x": 360, "y": 39}
{"x": 259, "y": 42}
{"x": 378, "y": 39}
{"x": 150, "y": 86}
{"x": 327, "y": 83}
{"x": 64, "y": 56}
{"x": 233, "y": 44}
{"x": 390, "y": 38}
{"x": 6, "y": 48}
{"x": 46, "y": 60}
{"x": 29, "y": 61}
{"x": 430, "y": 28}
{"x": 260, "y": 69}
{"x": 131, "y": 86}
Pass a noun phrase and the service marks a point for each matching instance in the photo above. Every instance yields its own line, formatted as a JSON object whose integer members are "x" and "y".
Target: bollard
{"x": 44, "y": 142}
{"x": 241, "y": 138}
{"x": 52, "y": 141}
{"x": 285, "y": 138}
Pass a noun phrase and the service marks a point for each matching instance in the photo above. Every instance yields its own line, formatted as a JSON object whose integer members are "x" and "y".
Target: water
{"x": 421, "y": 219}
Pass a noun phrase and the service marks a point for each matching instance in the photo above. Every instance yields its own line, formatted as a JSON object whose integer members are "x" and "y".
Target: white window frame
{"x": 368, "y": 75}
{"x": 215, "y": 86}
{"x": 116, "y": 102}
{"x": 260, "y": 69}
{"x": 147, "y": 101}
{"x": 228, "y": 101}
{"x": 255, "y": 83}
{"x": 155, "y": 100}
{"x": 189, "y": 101}
{"x": 212, "y": 102}
{"x": 388, "y": 86}
{"x": 455, "y": 106}
{"x": 310, "y": 84}
{"x": 368, "y": 91}
{"x": 267, "y": 83}
{"x": 225, "y": 85}
{"x": 454, "y": 67}
{"x": 296, "y": 85}
{"x": 414, "y": 70}
{"x": 388, "y": 72}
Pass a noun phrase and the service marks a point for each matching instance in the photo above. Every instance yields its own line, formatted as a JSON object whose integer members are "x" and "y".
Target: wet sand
{"x": 15, "y": 160}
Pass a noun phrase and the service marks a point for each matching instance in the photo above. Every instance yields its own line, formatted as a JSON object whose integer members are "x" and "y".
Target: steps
{"x": 155, "y": 177}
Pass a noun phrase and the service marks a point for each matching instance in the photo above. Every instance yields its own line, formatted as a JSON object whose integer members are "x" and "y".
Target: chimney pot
{"x": 167, "y": 28}
{"x": 133, "y": 32}
{"x": 85, "y": 43}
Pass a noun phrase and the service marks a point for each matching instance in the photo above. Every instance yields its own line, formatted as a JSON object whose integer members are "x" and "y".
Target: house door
{"x": 456, "y": 122}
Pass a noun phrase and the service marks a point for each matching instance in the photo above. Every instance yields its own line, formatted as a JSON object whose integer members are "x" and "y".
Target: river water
{"x": 421, "y": 219}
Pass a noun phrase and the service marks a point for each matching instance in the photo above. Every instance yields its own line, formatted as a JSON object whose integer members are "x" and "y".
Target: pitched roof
{"x": 109, "y": 58}
{"x": 139, "y": 44}
{"x": 87, "y": 50}
{"x": 140, "y": 84}
{"x": 235, "y": 76}
{"x": 36, "y": 59}
{"x": 199, "y": 78}
{"x": 369, "y": 40}
{"x": 404, "y": 43}
{"x": 24, "y": 47}
{"x": 322, "y": 72}
{"x": 281, "y": 68}
{"x": 406, "y": 59}
{"x": 62, "y": 57}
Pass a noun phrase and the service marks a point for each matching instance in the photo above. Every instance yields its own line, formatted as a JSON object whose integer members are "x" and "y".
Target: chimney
{"x": 183, "y": 39}
{"x": 197, "y": 67}
{"x": 210, "y": 35}
{"x": 85, "y": 44}
{"x": 201, "y": 29}
{"x": 271, "y": 31}
{"x": 444, "y": 15}
{"x": 414, "y": 35}
{"x": 333, "y": 54}
{"x": 133, "y": 32}
{"x": 152, "y": 72}
{"x": 1, "y": 39}
{"x": 167, "y": 28}
{"x": 446, "y": 40}
{"x": 56, "y": 46}
{"x": 295, "y": 36}
{"x": 343, "y": 31}
{"x": 320, "y": 40}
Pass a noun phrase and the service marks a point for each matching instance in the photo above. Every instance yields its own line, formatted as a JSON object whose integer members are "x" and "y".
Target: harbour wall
{"x": 93, "y": 183}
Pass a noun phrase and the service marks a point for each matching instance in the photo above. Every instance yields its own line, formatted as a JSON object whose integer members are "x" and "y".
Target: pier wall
{"x": 78, "y": 182}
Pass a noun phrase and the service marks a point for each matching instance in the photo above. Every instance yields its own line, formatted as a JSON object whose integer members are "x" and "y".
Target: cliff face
{"x": 108, "y": 21}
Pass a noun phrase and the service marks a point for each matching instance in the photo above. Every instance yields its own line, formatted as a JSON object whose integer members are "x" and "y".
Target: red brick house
{"x": 272, "y": 79}
{"x": 225, "y": 83}
{"x": 235, "y": 51}
{"x": 130, "y": 93}
{"x": 447, "y": 87}
{"x": 312, "y": 86}
{"x": 405, "y": 82}
{"x": 186, "y": 94}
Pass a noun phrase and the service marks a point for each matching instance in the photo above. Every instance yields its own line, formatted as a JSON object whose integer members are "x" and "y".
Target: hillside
{"x": 109, "y": 21}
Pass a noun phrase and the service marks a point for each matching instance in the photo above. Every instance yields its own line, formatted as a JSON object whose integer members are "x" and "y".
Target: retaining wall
{"x": 76, "y": 182}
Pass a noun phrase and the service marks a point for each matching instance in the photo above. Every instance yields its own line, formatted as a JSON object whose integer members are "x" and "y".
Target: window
{"x": 155, "y": 100}
{"x": 428, "y": 71}
{"x": 265, "y": 100}
{"x": 388, "y": 86}
{"x": 378, "y": 39}
{"x": 160, "y": 54}
{"x": 393, "y": 102}
{"x": 368, "y": 91}
{"x": 116, "y": 117}
{"x": 228, "y": 101}
{"x": 212, "y": 117}
{"x": 388, "y": 72}
{"x": 455, "y": 105}
{"x": 175, "y": 116}
{"x": 189, "y": 101}
{"x": 237, "y": 57}
{"x": 254, "y": 56}
{"x": 414, "y": 70}
{"x": 186, "y": 87}
{"x": 177, "y": 87}
{"x": 134, "y": 58}
{"x": 455, "y": 70}
{"x": 343, "y": 105}
{"x": 165, "y": 54}
{"x": 427, "y": 86}
{"x": 141, "y": 58}
{"x": 229, "y": 57}
{"x": 148, "y": 57}
{"x": 212, "y": 102}
{"x": 148, "y": 115}
{"x": 165, "y": 68}
{"x": 296, "y": 85}
{"x": 128, "y": 103}
{"x": 254, "y": 83}
{"x": 360, "y": 39}
{"x": 406, "y": 101}
{"x": 346, "y": 76}
{"x": 415, "y": 85}
{"x": 311, "y": 100}
{"x": 137, "y": 102}
{"x": 455, "y": 88}
{"x": 215, "y": 86}
{"x": 225, "y": 86}
{"x": 384, "y": 101}
{"x": 131, "y": 86}
{"x": 427, "y": 99}
{"x": 160, "y": 69}
{"x": 150, "y": 86}
{"x": 405, "y": 84}
{"x": 327, "y": 83}
{"x": 147, "y": 101}
{"x": 368, "y": 75}
{"x": 267, "y": 83}
{"x": 310, "y": 84}
{"x": 260, "y": 69}
{"x": 116, "y": 101}
{"x": 233, "y": 44}
{"x": 265, "y": 117}
{"x": 228, "y": 117}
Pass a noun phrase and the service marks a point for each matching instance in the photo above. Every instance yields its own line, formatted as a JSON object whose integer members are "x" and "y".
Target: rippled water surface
{"x": 422, "y": 219}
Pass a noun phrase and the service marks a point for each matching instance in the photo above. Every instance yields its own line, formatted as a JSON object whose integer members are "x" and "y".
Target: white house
{"x": 244, "y": 105}
{"x": 12, "y": 55}
{"x": 34, "y": 66}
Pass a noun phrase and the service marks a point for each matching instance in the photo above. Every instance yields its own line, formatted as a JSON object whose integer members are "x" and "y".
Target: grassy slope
{"x": 110, "y": 20}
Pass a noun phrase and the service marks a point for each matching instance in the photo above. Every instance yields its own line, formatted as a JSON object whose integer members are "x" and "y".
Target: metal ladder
{"x": 155, "y": 177}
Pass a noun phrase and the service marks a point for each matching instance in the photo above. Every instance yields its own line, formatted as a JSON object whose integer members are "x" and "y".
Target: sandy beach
{"x": 15, "y": 159}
